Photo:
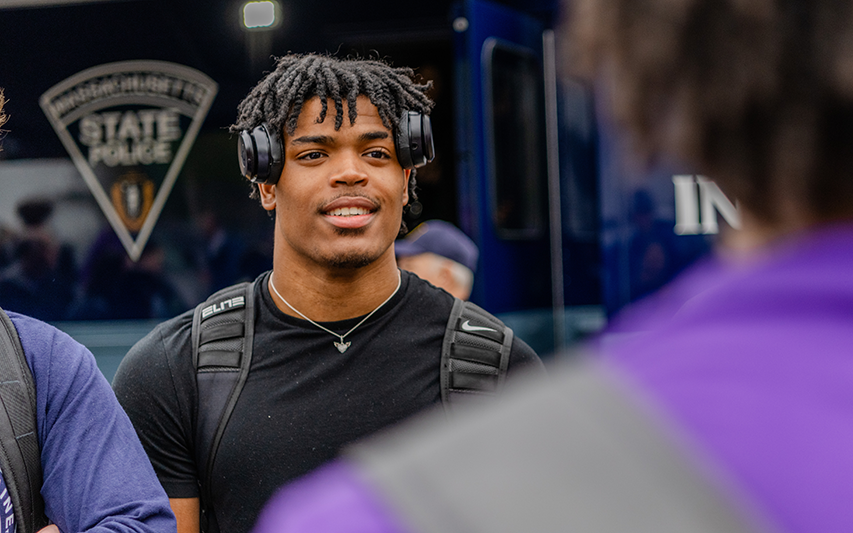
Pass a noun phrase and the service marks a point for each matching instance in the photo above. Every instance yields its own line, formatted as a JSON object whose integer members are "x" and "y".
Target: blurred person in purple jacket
{"x": 723, "y": 402}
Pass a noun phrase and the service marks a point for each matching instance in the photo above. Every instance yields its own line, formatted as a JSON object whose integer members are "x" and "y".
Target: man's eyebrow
{"x": 328, "y": 140}
{"x": 313, "y": 139}
{"x": 374, "y": 135}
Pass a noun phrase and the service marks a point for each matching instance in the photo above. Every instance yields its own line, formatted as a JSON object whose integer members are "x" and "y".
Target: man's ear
{"x": 408, "y": 174}
{"x": 267, "y": 194}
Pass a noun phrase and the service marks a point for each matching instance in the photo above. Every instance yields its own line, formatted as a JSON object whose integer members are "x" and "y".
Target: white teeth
{"x": 348, "y": 211}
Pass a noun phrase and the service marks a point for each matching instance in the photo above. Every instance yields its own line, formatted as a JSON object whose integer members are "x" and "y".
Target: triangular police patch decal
{"x": 128, "y": 127}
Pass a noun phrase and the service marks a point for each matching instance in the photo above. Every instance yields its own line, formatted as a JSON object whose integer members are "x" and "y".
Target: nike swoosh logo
{"x": 466, "y": 326}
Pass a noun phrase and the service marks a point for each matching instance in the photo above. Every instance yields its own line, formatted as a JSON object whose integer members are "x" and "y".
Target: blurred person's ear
{"x": 444, "y": 274}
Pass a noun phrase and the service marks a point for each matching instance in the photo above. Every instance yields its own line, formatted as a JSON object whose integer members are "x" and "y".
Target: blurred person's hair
{"x": 278, "y": 98}
{"x": 34, "y": 211}
{"x": 3, "y": 117}
{"x": 756, "y": 94}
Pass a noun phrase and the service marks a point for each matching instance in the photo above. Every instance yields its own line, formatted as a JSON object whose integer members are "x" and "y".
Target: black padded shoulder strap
{"x": 474, "y": 354}
{"x": 222, "y": 334}
{"x": 20, "y": 458}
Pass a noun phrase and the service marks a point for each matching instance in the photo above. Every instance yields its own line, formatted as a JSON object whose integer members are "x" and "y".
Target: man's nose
{"x": 349, "y": 170}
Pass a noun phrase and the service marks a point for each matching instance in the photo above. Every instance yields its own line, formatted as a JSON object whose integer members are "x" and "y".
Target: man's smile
{"x": 350, "y": 211}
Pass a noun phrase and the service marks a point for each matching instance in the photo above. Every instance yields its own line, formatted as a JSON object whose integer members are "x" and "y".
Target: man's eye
{"x": 378, "y": 154}
{"x": 311, "y": 156}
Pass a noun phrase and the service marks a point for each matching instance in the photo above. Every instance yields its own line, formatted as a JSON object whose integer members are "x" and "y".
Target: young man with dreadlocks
{"x": 344, "y": 342}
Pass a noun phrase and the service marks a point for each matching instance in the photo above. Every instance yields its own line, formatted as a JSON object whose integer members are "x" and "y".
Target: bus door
{"x": 501, "y": 155}
{"x": 526, "y": 173}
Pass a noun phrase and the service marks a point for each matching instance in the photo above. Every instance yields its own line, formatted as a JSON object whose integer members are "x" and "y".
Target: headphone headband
{"x": 261, "y": 154}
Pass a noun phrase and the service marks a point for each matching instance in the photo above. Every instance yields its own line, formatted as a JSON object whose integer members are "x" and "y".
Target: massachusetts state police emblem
{"x": 128, "y": 127}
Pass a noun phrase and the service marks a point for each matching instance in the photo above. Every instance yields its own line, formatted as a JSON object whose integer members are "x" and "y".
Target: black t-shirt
{"x": 303, "y": 400}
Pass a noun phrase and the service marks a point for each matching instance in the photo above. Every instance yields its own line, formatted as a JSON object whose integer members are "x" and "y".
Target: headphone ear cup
{"x": 276, "y": 155}
{"x": 401, "y": 142}
{"x": 246, "y": 155}
{"x": 414, "y": 140}
{"x": 260, "y": 154}
{"x": 420, "y": 142}
{"x": 426, "y": 143}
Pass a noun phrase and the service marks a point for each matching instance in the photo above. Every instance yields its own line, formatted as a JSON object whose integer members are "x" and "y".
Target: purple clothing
{"x": 7, "y": 512}
{"x": 752, "y": 363}
{"x": 333, "y": 499}
{"x": 96, "y": 474}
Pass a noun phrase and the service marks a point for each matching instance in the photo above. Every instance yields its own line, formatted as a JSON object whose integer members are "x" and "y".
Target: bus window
{"x": 514, "y": 109}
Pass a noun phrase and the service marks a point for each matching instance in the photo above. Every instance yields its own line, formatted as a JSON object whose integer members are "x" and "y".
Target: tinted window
{"x": 516, "y": 132}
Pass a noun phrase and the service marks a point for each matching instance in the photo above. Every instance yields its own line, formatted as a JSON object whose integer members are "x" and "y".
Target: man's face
{"x": 340, "y": 198}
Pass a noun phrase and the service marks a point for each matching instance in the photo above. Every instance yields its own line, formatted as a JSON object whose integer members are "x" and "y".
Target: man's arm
{"x": 187, "y": 513}
{"x": 96, "y": 474}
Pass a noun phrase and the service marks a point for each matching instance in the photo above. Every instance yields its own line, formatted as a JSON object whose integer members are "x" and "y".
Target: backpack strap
{"x": 20, "y": 458}
{"x": 474, "y": 354}
{"x": 222, "y": 333}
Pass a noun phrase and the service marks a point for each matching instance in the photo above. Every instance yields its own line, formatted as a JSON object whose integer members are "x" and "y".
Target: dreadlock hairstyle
{"x": 278, "y": 98}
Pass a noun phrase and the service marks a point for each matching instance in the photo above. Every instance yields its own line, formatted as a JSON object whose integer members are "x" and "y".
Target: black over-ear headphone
{"x": 261, "y": 154}
{"x": 413, "y": 140}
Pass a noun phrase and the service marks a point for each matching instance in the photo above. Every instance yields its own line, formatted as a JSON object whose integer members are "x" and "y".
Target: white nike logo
{"x": 468, "y": 327}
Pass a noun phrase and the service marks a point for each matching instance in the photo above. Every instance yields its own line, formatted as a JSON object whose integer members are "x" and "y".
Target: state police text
{"x": 131, "y": 138}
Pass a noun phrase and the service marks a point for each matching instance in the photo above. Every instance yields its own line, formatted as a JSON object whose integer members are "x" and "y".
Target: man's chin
{"x": 351, "y": 232}
{"x": 353, "y": 249}
{"x": 350, "y": 261}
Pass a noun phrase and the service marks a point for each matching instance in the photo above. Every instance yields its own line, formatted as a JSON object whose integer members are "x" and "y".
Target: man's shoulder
{"x": 426, "y": 307}
{"x": 474, "y": 319}
{"x": 171, "y": 334}
{"x": 427, "y": 296}
{"x": 421, "y": 286}
{"x": 39, "y": 340}
{"x": 27, "y": 326}
{"x": 167, "y": 345}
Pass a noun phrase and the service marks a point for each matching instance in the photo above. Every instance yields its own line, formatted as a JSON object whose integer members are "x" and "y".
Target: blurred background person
{"x": 727, "y": 407}
{"x": 440, "y": 253}
{"x": 143, "y": 290}
{"x": 7, "y": 246}
{"x": 223, "y": 252}
{"x": 41, "y": 280}
{"x": 116, "y": 288}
